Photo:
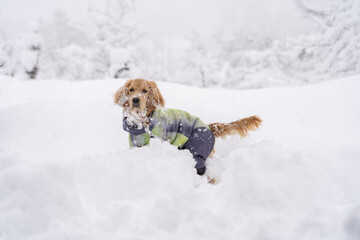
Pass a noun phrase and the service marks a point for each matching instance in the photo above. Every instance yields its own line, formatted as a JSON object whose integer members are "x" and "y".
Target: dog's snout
{"x": 136, "y": 100}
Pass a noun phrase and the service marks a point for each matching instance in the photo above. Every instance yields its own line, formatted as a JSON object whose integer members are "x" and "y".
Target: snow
{"x": 234, "y": 44}
{"x": 66, "y": 171}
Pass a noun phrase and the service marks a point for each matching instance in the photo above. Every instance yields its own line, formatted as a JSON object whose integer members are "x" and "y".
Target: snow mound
{"x": 66, "y": 171}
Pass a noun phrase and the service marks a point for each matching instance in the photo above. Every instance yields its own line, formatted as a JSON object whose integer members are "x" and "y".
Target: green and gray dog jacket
{"x": 180, "y": 129}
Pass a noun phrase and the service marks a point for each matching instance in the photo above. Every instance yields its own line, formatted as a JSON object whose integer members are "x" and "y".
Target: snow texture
{"x": 66, "y": 171}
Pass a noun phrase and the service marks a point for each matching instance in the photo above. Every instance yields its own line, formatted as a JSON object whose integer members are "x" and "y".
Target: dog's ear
{"x": 121, "y": 95}
{"x": 156, "y": 99}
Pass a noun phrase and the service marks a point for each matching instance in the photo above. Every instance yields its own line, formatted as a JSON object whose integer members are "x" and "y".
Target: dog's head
{"x": 139, "y": 96}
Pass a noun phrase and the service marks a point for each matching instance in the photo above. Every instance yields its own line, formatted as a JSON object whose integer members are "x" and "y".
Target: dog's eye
{"x": 131, "y": 90}
{"x": 144, "y": 91}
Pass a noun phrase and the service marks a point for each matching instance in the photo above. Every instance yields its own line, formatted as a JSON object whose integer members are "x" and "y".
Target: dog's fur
{"x": 151, "y": 98}
{"x": 148, "y": 94}
{"x": 239, "y": 127}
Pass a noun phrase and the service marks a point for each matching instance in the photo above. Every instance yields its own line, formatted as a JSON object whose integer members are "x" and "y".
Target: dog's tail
{"x": 239, "y": 127}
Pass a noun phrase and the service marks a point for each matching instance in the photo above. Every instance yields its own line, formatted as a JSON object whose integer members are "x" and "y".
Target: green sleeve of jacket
{"x": 139, "y": 140}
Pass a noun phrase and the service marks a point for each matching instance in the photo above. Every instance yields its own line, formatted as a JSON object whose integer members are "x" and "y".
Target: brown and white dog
{"x": 140, "y": 98}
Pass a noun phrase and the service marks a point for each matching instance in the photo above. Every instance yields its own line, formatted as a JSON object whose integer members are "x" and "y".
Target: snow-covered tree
{"x": 64, "y": 49}
{"x": 247, "y": 61}
{"x": 114, "y": 37}
{"x": 61, "y": 48}
{"x": 201, "y": 63}
{"x": 337, "y": 49}
{"x": 7, "y": 52}
{"x": 18, "y": 55}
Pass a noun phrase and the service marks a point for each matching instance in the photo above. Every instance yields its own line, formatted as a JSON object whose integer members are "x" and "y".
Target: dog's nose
{"x": 136, "y": 100}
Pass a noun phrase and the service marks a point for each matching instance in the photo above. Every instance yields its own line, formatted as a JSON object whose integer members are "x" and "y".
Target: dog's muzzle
{"x": 136, "y": 102}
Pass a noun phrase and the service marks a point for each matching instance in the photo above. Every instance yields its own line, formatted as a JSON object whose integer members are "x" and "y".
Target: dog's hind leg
{"x": 214, "y": 169}
{"x": 200, "y": 144}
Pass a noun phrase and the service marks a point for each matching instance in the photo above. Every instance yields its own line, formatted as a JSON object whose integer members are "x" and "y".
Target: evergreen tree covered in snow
{"x": 19, "y": 55}
{"x": 7, "y": 52}
{"x": 336, "y": 51}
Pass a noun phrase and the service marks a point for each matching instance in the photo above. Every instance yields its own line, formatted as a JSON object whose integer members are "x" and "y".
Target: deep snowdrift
{"x": 66, "y": 171}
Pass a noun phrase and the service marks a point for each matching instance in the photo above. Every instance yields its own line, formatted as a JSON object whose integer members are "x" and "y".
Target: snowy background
{"x": 66, "y": 171}
{"x": 242, "y": 44}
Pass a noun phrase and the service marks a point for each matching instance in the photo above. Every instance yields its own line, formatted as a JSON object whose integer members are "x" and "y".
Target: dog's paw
{"x": 201, "y": 171}
{"x": 211, "y": 180}
{"x": 214, "y": 169}
{"x": 211, "y": 177}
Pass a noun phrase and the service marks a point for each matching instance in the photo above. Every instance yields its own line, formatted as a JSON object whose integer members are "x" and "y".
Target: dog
{"x": 144, "y": 117}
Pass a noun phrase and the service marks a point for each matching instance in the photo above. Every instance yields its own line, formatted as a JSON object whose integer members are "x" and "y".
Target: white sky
{"x": 175, "y": 19}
